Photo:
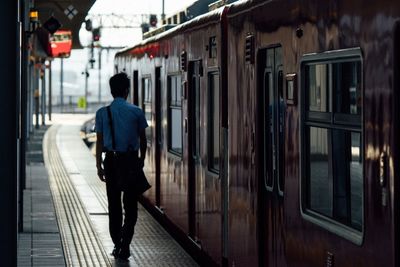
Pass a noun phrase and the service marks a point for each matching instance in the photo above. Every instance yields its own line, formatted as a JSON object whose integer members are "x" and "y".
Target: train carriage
{"x": 274, "y": 131}
{"x": 320, "y": 105}
{"x": 176, "y": 80}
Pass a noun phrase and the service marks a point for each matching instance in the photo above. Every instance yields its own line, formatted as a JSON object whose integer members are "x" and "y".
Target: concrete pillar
{"x": 9, "y": 107}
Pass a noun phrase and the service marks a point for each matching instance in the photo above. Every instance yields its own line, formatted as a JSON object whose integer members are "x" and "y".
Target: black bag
{"x": 129, "y": 173}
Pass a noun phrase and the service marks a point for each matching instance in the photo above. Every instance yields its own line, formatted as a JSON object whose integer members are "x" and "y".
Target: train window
{"x": 332, "y": 140}
{"x": 318, "y": 84}
{"x": 146, "y": 87}
{"x": 347, "y": 103}
{"x": 212, "y": 46}
{"x": 175, "y": 114}
{"x": 213, "y": 123}
{"x": 320, "y": 187}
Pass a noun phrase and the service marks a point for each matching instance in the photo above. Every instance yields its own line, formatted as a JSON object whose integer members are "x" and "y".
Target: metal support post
{"x": 86, "y": 89}
{"x": 62, "y": 86}
{"x": 28, "y": 96}
{"x": 9, "y": 135}
{"x": 31, "y": 98}
{"x": 36, "y": 96}
{"x": 24, "y": 128}
{"x": 100, "y": 54}
{"x": 163, "y": 12}
{"x": 50, "y": 90}
{"x": 43, "y": 96}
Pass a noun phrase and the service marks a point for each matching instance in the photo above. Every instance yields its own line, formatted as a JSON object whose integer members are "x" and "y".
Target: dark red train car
{"x": 275, "y": 131}
{"x": 173, "y": 76}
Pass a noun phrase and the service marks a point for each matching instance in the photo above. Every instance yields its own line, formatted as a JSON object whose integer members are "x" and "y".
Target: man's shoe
{"x": 115, "y": 252}
{"x": 124, "y": 254}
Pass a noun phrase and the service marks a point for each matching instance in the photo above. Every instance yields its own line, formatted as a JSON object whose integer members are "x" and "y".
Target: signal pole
{"x": 100, "y": 54}
{"x": 86, "y": 89}
{"x": 50, "y": 89}
{"x": 43, "y": 94}
{"x": 163, "y": 12}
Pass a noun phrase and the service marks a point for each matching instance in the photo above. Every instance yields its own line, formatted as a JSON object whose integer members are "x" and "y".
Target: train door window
{"x": 332, "y": 139}
{"x": 147, "y": 99}
{"x": 212, "y": 47}
{"x": 196, "y": 83}
{"x": 273, "y": 119}
{"x": 281, "y": 146}
{"x": 269, "y": 136}
{"x": 135, "y": 95}
{"x": 213, "y": 122}
{"x": 175, "y": 115}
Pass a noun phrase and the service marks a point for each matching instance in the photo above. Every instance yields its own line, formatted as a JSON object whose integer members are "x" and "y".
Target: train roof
{"x": 197, "y": 22}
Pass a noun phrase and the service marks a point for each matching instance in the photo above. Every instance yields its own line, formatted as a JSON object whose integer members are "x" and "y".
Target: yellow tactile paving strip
{"x": 81, "y": 245}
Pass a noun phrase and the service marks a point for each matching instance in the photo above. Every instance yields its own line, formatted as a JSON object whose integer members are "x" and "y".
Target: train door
{"x": 158, "y": 134}
{"x": 194, "y": 142}
{"x": 271, "y": 112}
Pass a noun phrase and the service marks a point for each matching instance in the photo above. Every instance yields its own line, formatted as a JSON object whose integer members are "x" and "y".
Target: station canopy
{"x": 71, "y": 14}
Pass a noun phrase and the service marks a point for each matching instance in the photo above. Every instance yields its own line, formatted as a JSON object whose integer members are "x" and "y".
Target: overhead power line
{"x": 118, "y": 21}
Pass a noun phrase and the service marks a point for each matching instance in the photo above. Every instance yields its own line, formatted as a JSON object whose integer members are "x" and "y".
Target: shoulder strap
{"x": 111, "y": 126}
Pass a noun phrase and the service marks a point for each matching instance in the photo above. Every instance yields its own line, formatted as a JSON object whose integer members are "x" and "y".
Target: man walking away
{"x": 120, "y": 130}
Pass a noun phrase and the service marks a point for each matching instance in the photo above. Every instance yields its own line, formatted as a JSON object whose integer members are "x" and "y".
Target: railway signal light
{"x": 145, "y": 27}
{"x": 96, "y": 34}
{"x": 33, "y": 20}
{"x": 88, "y": 25}
{"x": 153, "y": 20}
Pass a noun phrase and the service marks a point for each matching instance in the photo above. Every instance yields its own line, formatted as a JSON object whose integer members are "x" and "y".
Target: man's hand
{"x": 141, "y": 163}
{"x": 143, "y": 147}
{"x": 99, "y": 159}
{"x": 100, "y": 173}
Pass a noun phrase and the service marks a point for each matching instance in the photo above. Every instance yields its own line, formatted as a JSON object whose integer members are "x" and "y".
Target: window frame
{"x": 328, "y": 120}
{"x": 210, "y": 129}
{"x": 169, "y": 114}
{"x": 146, "y": 102}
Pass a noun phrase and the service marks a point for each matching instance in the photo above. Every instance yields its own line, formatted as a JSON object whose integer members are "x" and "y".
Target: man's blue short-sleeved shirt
{"x": 128, "y": 120}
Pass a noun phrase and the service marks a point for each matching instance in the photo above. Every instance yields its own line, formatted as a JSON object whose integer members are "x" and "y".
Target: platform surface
{"x": 72, "y": 228}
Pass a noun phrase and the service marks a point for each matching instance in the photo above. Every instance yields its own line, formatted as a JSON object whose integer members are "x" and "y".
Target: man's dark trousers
{"x": 121, "y": 234}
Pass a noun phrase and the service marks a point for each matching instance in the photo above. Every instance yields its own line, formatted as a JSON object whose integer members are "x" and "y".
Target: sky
{"x": 128, "y": 37}
{"x": 138, "y": 6}
{"x": 74, "y": 80}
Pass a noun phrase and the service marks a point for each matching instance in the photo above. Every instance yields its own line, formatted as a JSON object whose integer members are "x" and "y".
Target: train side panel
{"x": 174, "y": 181}
{"x": 312, "y": 132}
{"x": 288, "y": 231}
{"x": 243, "y": 201}
{"x": 204, "y": 44}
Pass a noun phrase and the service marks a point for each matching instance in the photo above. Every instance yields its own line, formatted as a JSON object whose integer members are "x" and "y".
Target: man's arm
{"x": 143, "y": 144}
{"x": 99, "y": 159}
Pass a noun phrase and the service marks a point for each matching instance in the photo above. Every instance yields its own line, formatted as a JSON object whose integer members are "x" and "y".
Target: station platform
{"x": 65, "y": 208}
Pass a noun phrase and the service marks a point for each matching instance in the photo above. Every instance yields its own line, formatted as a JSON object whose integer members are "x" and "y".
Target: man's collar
{"x": 119, "y": 99}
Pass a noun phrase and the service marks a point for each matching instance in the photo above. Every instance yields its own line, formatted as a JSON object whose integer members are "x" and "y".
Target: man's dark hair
{"x": 119, "y": 84}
